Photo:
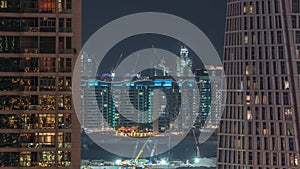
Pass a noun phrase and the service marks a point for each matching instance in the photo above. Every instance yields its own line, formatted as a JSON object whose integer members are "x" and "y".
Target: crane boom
{"x": 197, "y": 144}
{"x": 141, "y": 151}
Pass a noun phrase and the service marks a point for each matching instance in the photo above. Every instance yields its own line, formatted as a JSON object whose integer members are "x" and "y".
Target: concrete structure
{"x": 39, "y": 44}
{"x": 260, "y": 124}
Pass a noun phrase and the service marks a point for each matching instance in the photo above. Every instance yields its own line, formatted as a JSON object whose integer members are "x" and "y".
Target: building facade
{"x": 117, "y": 109}
{"x": 112, "y": 109}
{"x": 39, "y": 44}
{"x": 260, "y": 124}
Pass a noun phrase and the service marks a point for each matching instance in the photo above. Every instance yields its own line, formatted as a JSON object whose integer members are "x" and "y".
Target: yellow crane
{"x": 141, "y": 151}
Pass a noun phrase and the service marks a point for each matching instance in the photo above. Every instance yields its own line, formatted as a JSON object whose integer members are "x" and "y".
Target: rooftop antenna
{"x": 112, "y": 71}
{"x": 118, "y": 62}
{"x": 137, "y": 58}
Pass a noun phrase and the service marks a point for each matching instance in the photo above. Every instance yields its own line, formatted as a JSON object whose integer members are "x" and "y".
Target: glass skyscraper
{"x": 260, "y": 124}
{"x": 39, "y": 44}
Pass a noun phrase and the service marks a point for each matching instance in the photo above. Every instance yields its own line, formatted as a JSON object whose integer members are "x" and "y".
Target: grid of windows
{"x": 258, "y": 123}
{"x": 38, "y": 45}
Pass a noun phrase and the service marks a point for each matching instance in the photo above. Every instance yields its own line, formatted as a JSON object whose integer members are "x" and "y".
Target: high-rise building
{"x": 39, "y": 44}
{"x": 204, "y": 85}
{"x": 184, "y": 64}
{"x": 117, "y": 109}
{"x": 216, "y": 73}
{"x": 259, "y": 128}
{"x": 112, "y": 109}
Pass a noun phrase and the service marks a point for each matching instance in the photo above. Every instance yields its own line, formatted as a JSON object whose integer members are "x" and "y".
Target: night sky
{"x": 208, "y": 15}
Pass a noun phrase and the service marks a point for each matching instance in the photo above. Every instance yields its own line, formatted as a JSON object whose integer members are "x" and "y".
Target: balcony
{"x": 31, "y": 50}
{"x": 65, "y": 11}
{"x": 65, "y": 51}
{"x": 28, "y": 10}
{"x": 67, "y": 30}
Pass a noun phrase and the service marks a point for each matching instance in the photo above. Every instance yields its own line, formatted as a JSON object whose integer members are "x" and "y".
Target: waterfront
{"x": 184, "y": 152}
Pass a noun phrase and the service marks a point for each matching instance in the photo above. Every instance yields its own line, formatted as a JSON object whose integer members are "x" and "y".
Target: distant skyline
{"x": 208, "y": 15}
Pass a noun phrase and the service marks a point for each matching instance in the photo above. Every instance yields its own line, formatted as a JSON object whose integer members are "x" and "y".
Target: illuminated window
{"x": 264, "y": 99}
{"x": 28, "y": 140}
{"x": 46, "y": 140}
{"x": 47, "y": 158}
{"x": 3, "y": 4}
{"x": 241, "y": 86}
{"x": 248, "y": 83}
{"x": 60, "y": 5}
{"x": 238, "y": 144}
{"x": 245, "y": 8}
{"x": 64, "y": 84}
{"x": 286, "y": 84}
{"x": 254, "y": 85}
{"x": 64, "y": 102}
{"x": 249, "y": 115}
{"x": 256, "y": 100}
{"x": 298, "y": 52}
{"x": 246, "y": 39}
{"x": 64, "y": 158}
{"x": 47, "y": 121}
{"x": 253, "y": 39}
{"x": 47, "y": 6}
{"x": 47, "y": 102}
{"x": 288, "y": 114}
{"x": 248, "y": 98}
{"x": 64, "y": 140}
{"x": 289, "y": 129}
{"x": 47, "y": 65}
{"x": 238, "y": 99}
{"x": 25, "y": 159}
{"x": 265, "y": 131}
{"x": 64, "y": 121}
{"x": 29, "y": 121}
{"x": 251, "y": 9}
{"x": 247, "y": 69}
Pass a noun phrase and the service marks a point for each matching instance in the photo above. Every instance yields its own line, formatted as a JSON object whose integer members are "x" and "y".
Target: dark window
{"x": 267, "y": 68}
{"x": 269, "y": 7}
{"x": 272, "y": 37}
{"x": 295, "y": 6}
{"x": 283, "y": 68}
{"x": 279, "y": 37}
{"x": 68, "y": 43}
{"x": 69, "y": 4}
{"x": 274, "y": 68}
{"x": 264, "y": 22}
{"x": 286, "y": 98}
{"x": 294, "y": 21}
{"x": 298, "y": 67}
{"x": 298, "y": 37}
{"x": 280, "y": 52}
{"x": 276, "y": 4}
{"x": 291, "y": 144}
{"x": 262, "y": 7}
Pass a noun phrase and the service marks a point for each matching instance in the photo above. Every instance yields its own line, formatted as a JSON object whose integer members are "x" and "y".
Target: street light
{"x": 163, "y": 162}
{"x": 196, "y": 160}
{"x": 118, "y": 162}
